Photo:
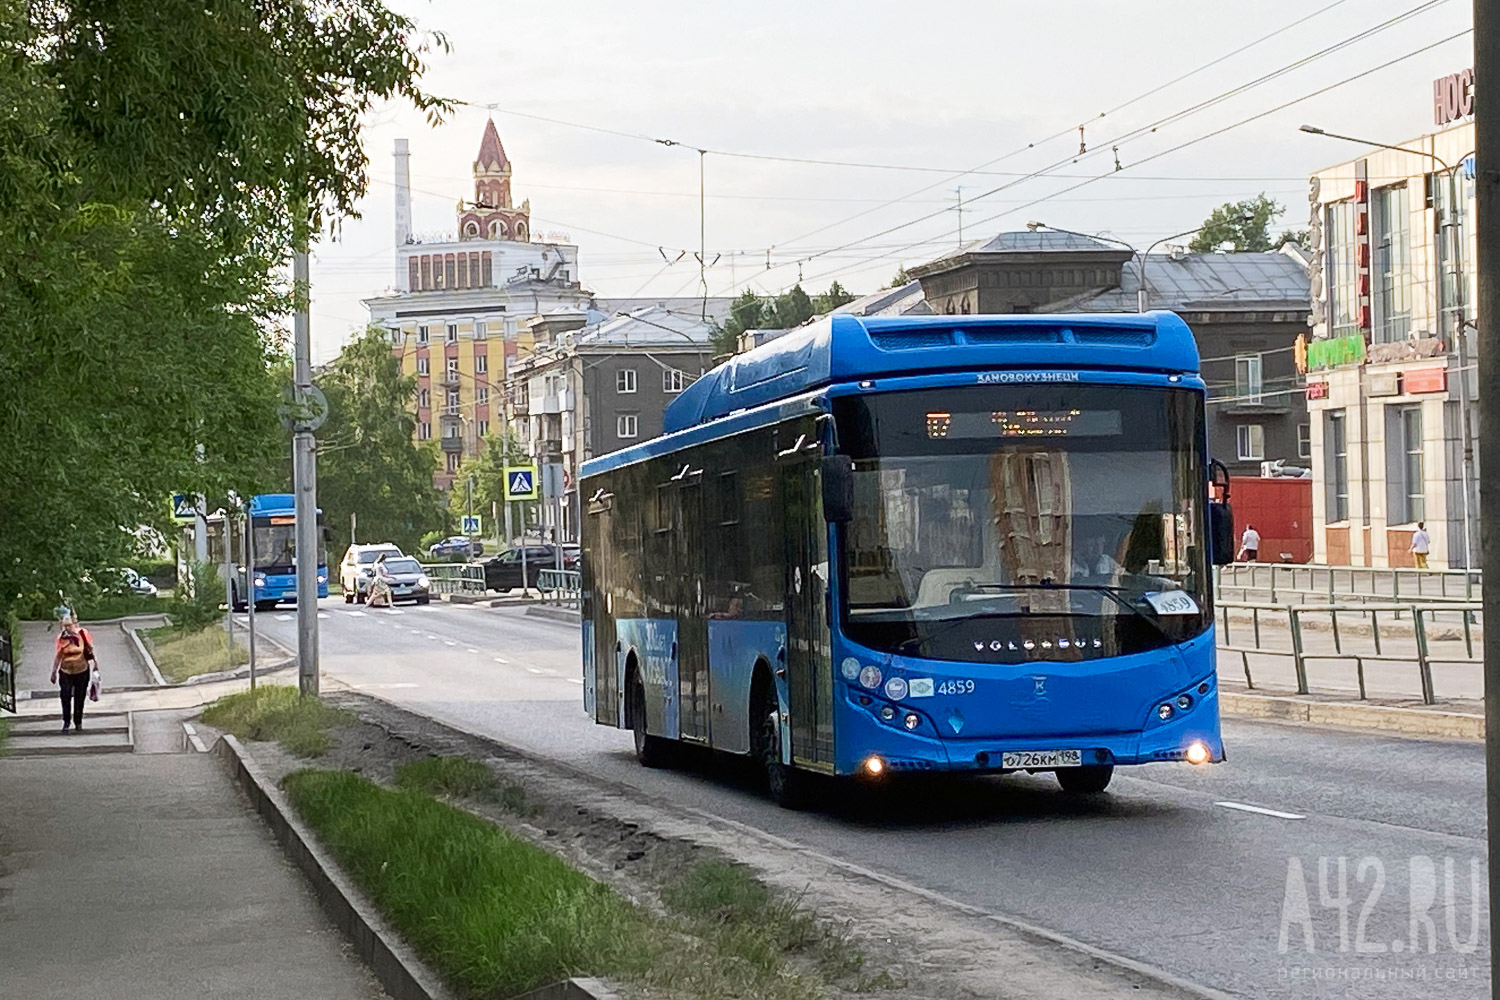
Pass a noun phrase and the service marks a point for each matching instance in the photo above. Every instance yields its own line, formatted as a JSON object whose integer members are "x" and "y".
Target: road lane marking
{"x": 383, "y": 687}
{"x": 357, "y": 614}
{"x": 533, "y": 670}
{"x": 324, "y": 614}
{"x": 501, "y": 659}
{"x": 449, "y": 642}
{"x": 1261, "y": 810}
{"x": 574, "y": 680}
{"x": 472, "y": 650}
{"x": 283, "y": 618}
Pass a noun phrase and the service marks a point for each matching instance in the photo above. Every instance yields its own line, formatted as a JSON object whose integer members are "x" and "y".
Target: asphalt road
{"x": 1203, "y": 873}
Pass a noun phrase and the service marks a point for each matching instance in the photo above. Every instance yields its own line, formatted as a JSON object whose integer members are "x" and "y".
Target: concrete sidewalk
{"x": 119, "y": 664}
{"x": 147, "y": 877}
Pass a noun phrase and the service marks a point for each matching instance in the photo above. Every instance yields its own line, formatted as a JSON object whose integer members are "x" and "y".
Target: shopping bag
{"x": 94, "y": 685}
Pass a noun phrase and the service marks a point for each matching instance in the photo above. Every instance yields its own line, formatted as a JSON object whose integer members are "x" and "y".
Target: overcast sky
{"x": 949, "y": 84}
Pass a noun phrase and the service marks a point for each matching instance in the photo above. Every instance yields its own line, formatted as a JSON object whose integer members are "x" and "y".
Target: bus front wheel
{"x": 650, "y": 750}
{"x": 1090, "y": 779}
{"x": 787, "y": 785}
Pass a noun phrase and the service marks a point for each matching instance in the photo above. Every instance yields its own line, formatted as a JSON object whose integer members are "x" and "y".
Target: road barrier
{"x": 562, "y": 587}
{"x": 455, "y": 578}
{"x": 1295, "y": 616}
{"x": 1345, "y": 584}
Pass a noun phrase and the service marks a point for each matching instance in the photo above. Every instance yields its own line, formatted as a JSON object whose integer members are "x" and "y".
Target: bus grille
{"x": 906, "y": 340}
{"x": 1118, "y": 338}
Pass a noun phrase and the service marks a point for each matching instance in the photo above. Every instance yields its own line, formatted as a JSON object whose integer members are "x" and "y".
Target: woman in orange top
{"x": 71, "y": 666}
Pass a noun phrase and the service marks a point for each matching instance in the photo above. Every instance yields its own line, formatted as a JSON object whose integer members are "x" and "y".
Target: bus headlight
{"x": 887, "y": 713}
{"x": 870, "y": 676}
{"x": 260, "y": 581}
{"x": 895, "y": 688}
{"x": 322, "y": 579}
{"x": 1197, "y": 753}
{"x": 874, "y": 766}
{"x": 1184, "y": 702}
{"x": 912, "y": 720}
{"x": 1164, "y": 712}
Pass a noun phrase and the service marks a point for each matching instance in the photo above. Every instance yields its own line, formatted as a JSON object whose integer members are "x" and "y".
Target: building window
{"x": 481, "y": 330}
{"x": 482, "y": 395}
{"x": 673, "y": 380}
{"x": 424, "y": 398}
{"x": 396, "y": 335}
{"x": 450, "y": 271}
{"x": 1304, "y": 440}
{"x": 424, "y": 431}
{"x": 422, "y": 334}
{"x": 487, "y": 265}
{"x": 484, "y": 429}
{"x": 453, "y": 401}
{"x": 1247, "y": 380}
{"x": 481, "y": 363}
{"x": 625, "y": 382}
{"x": 1251, "y": 442}
{"x": 453, "y": 458}
{"x": 421, "y": 366}
{"x": 1454, "y": 270}
{"x": 1343, "y": 270}
{"x": 1405, "y": 487}
{"x": 627, "y": 425}
{"x": 1391, "y": 219}
{"x": 452, "y": 333}
{"x": 453, "y": 368}
{"x": 1336, "y": 465}
{"x": 452, "y": 431}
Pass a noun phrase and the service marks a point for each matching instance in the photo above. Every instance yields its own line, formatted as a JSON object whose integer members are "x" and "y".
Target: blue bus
{"x": 875, "y": 545}
{"x": 274, "y": 546}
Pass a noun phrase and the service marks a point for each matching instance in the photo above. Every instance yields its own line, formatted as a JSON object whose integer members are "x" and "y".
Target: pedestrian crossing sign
{"x": 184, "y": 508}
{"x": 520, "y": 482}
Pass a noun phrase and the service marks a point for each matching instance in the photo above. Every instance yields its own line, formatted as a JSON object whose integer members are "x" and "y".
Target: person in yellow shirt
{"x": 72, "y": 667}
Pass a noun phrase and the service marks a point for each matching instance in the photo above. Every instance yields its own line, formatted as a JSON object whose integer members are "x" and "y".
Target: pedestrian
{"x": 1249, "y": 543}
{"x": 1421, "y": 544}
{"x": 73, "y": 667}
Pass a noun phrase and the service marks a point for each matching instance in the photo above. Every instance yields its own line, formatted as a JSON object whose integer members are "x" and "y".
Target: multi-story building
{"x": 1393, "y": 280}
{"x": 460, "y": 302}
{"x": 595, "y": 383}
{"x": 1246, "y": 310}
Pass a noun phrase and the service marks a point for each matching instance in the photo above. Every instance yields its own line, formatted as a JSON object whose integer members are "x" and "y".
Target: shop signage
{"x": 1384, "y": 384}
{"x": 1453, "y": 97}
{"x": 1331, "y": 353}
{"x": 1317, "y": 390}
{"x": 1406, "y": 350}
{"x": 1426, "y": 379}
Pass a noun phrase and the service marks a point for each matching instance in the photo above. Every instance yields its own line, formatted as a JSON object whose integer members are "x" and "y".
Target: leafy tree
{"x": 791, "y": 309}
{"x": 1296, "y": 237}
{"x": 1244, "y": 225}
{"x": 488, "y": 470}
{"x": 830, "y": 300}
{"x": 158, "y": 158}
{"x": 369, "y": 463}
{"x": 782, "y": 312}
{"x": 901, "y": 279}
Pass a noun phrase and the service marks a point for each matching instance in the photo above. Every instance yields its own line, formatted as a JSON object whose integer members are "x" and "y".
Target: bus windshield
{"x": 276, "y": 545}
{"x": 1018, "y": 522}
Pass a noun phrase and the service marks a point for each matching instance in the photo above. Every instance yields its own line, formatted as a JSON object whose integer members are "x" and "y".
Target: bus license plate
{"x": 1042, "y": 758}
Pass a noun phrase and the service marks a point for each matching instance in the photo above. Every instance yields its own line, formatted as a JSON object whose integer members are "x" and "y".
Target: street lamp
{"x": 1461, "y": 336}
{"x": 1142, "y": 296}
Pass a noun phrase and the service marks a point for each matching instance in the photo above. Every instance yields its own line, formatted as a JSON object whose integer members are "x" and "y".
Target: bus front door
{"x": 809, "y": 673}
{"x": 692, "y": 626}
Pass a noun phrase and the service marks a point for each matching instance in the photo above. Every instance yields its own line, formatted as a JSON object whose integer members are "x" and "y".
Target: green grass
{"x": 496, "y": 916}
{"x": 101, "y": 607}
{"x": 462, "y": 778}
{"x": 180, "y": 655}
{"x": 278, "y": 713}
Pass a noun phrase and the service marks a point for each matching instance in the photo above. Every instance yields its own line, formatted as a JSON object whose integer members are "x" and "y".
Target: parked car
{"x": 127, "y": 580}
{"x": 401, "y": 579}
{"x": 358, "y": 567}
{"x": 503, "y": 571}
{"x": 456, "y": 546}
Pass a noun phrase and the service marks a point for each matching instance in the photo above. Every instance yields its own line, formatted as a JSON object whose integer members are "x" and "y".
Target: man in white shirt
{"x": 1421, "y": 544}
{"x": 1249, "y": 543}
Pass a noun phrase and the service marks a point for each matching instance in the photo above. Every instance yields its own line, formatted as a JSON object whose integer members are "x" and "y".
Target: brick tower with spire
{"x": 491, "y": 216}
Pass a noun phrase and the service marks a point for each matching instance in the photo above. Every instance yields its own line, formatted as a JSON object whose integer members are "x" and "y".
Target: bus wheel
{"x": 650, "y": 750}
{"x": 1091, "y": 779}
{"x": 787, "y": 785}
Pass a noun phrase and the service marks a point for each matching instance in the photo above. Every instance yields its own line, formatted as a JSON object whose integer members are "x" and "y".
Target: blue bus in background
{"x": 274, "y": 546}
{"x": 976, "y": 544}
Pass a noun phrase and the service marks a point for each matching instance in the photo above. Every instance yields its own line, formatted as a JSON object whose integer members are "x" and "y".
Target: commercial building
{"x": 1246, "y": 310}
{"x": 1392, "y": 276}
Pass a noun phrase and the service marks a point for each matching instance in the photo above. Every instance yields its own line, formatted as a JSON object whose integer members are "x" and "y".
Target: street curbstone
{"x": 1419, "y": 722}
{"x": 556, "y": 614}
{"x": 395, "y": 965}
{"x": 572, "y": 989}
{"x": 142, "y": 653}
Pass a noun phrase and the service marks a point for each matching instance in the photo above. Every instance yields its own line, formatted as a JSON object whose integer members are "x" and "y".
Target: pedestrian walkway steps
{"x": 39, "y": 736}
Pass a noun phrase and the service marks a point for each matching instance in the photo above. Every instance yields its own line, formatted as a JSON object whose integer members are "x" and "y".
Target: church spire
{"x": 491, "y": 215}
{"x": 491, "y": 157}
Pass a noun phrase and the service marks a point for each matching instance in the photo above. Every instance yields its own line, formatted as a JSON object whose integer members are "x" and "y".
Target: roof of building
{"x": 903, "y": 300}
{"x": 844, "y": 348}
{"x": 654, "y": 326}
{"x": 491, "y": 153}
{"x": 1203, "y": 281}
{"x": 718, "y": 306}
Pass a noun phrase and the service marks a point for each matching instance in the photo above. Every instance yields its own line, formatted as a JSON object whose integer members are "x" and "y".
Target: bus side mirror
{"x": 838, "y": 489}
{"x": 1221, "y": 533}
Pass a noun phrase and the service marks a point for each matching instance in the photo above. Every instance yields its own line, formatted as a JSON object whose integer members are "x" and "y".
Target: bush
{"x": 196, "y": 605}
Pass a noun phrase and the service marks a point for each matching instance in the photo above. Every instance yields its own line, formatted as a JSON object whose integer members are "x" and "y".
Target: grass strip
{"x": 463, "y": 778}
{"x": 180, "y": 655}
{"x": 493, "y": 914}
{"x": 278, "y": 713}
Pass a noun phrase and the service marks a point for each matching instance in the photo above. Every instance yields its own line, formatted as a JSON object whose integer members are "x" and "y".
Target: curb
{"x": 463, "y": 598}
{"x": 143, "y": 654}
{"x": 572, "y": 989}
{"x": 397, "y": 967}
{"x": 556, "y": 614}
{"x": 1354, "y": 715}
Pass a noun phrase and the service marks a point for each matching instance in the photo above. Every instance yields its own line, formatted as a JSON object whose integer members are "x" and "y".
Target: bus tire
{"x": 786, "y": 785}
{"x": 650, "y": 751}
{"x": 1091, "y": 779}
{"x": 265, "y": 605}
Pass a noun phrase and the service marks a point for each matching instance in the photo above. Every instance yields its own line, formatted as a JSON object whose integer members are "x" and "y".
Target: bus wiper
{"x": 1113, "y": 593}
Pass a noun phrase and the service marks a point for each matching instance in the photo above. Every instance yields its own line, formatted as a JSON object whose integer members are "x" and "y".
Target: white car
{"x": 357, "y": 568}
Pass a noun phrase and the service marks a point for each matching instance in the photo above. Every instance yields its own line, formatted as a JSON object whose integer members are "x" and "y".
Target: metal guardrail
{"x": 562, "y": 587}
{"x": 1349, "y": 583}
{"x": 455, "y": 578}
{"x": 1419, "y": 617}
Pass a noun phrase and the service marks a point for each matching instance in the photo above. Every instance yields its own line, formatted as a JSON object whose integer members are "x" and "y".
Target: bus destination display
{"x": 1024, "y": 424}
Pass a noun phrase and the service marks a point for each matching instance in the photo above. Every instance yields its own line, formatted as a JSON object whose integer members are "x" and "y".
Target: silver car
{"x": 400, "y": 578}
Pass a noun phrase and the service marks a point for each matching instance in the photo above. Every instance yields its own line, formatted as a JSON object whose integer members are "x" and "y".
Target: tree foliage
{"x": 157, "y": 160}
{"x": 779, "y": 312}
{"x": 1244, "y": 226}
{"x": 369, "y": 463}
{"x": 488, "y": 470}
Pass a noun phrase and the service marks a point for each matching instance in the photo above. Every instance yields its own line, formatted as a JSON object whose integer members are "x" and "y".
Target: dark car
{"x": 502, "y": 572}
{"x": 456, "y": 546}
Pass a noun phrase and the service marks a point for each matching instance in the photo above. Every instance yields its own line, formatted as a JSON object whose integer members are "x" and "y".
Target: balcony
{"x": 452, "y": 443}
{"x": 450, "y": 378}
{"x": 450, "y": 415}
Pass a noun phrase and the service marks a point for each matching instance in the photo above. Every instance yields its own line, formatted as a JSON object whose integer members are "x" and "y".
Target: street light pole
{"x": 304, "y": 477}
{"x": 1461, "y": 336}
